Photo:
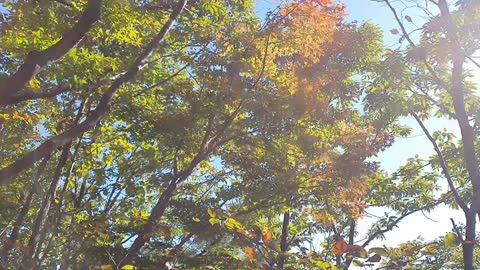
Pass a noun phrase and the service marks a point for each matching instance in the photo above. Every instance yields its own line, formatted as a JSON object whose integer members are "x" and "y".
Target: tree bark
{"x": 284, "y": 240}
{"x": 469, "y": 243}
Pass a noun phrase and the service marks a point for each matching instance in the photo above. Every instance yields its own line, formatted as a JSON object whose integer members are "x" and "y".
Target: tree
{"x": 141, "y": 124}
{"x": 432, "y": 81}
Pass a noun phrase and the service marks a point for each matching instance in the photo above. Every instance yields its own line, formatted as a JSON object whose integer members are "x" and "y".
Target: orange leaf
{"x": 267, "y": 236}
{"x": 358, "y": 251}
{"x": 340, "y": 248}
{"x": 250, "y": 252}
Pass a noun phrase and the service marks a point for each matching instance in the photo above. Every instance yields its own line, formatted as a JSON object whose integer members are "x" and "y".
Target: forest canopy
{"x": 200, "y": 134}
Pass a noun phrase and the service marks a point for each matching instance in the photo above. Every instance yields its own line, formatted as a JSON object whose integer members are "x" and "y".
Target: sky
{"x": 427, "y": 225}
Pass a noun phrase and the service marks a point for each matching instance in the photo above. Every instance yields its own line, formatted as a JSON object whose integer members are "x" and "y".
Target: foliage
{"x": 196, "y": 135}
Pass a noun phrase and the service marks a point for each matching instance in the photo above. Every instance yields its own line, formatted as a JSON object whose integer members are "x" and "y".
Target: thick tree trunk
{"x": 469, "y": 243}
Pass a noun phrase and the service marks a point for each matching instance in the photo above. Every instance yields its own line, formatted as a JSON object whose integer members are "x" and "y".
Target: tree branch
{"x": 8, "y": 173}
{"x": 38, "y": 60}
{"x": 443, "y": 164}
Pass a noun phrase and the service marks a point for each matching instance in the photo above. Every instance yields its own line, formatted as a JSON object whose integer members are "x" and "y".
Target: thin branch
{"x": 443, "y": 164}
{"x": 410, "y": 41}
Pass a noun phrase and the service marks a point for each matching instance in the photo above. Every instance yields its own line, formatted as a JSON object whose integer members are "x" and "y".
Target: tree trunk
{"x": 283, "y": 240}
{"x": 469, "y": 243}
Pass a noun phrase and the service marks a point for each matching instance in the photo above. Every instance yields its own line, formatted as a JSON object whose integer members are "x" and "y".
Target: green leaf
{"x": 214, "y": 221}
{"x": 451, "y": 240}
{"x": 379, "y": 250}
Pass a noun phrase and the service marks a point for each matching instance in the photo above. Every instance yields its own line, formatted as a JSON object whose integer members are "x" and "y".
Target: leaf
{"x": 214, "y": 221}
{"x": 196, "y": 219}
{"x": 408, "y": 18}
{"x": 128, "y": 267}
{"x": 340, "y": 248}
{"x": 357, "y": 263}
{"x": 394, "y": 31}
{"x": 375, "y": 258}
{"x": 250, "y": 252}
{"x": 451, "y": 240}
{"x": 211, "y": 213}
{"x": 231, "y": 224}
{"x": 107, "y": 267}
{"x": 358, "y": 251}
{"x": 267, "y": 236}
{"x": 378, "y": 250}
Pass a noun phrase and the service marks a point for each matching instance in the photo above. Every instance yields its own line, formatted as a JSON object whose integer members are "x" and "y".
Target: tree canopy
{"x": 199, "y": 134}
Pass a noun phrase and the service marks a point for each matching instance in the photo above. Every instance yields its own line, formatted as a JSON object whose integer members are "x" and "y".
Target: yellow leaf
{"x": 107, "y": 267}
{"x": 128, "y": 267}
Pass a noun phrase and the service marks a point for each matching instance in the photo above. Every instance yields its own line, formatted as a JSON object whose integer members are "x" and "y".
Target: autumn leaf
{"x": 268, "y": 235}
{"x": 250, "y": 252}
{"x": 375, "y": 258}
{"x": 357, "y": 251}
{"x": 167, "y": 232}
{"x": 394, "y": 31}
{"x": 340, "y": 248}
{"x": 146, "y": 237}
